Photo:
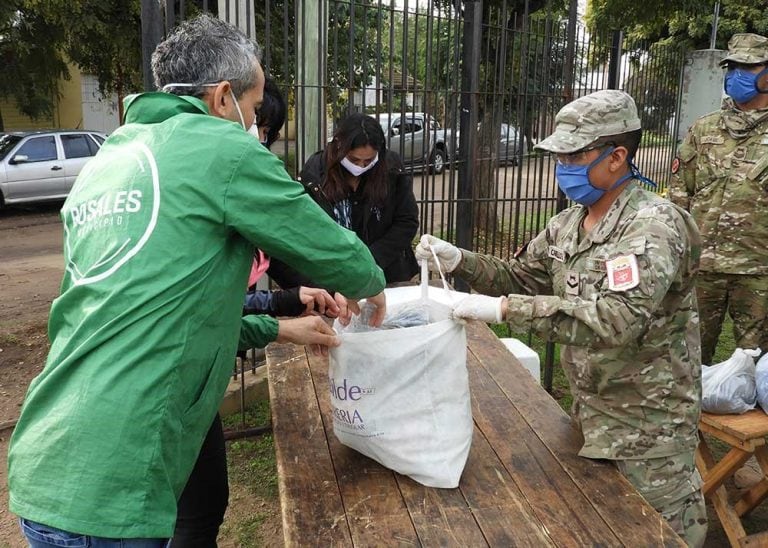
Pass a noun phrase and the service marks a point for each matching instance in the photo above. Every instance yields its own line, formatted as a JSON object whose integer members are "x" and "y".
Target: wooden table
{"x": 745, "y": 434}
{"x": 523, "y": 483}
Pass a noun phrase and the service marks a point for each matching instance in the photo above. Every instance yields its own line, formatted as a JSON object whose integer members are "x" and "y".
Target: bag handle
{"x": 425, "y": 277}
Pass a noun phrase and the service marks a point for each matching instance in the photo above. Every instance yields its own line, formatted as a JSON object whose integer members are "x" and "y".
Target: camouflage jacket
{"x": 722, "y": 179}
{"x": 632, "y": 350}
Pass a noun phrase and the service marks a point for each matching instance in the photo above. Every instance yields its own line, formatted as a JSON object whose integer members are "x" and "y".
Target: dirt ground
{"x": 31, "y": 266}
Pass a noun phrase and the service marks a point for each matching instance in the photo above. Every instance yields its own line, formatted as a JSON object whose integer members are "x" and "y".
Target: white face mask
{"x": 256, "y": 133}
{"x": 166, "y": 87}
{"x": 357, "y": 170}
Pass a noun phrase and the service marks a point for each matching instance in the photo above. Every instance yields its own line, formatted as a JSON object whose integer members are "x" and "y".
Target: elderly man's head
{"x": 210, "y": 59}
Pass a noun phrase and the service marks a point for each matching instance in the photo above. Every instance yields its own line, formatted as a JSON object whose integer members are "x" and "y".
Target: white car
{"x": 38, "y": 166}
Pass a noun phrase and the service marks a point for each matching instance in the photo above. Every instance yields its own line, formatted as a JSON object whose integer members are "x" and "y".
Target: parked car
{"x": 37, "y": 166}
{"x": 511, "y": 147}
{"x": 419, "y": 139}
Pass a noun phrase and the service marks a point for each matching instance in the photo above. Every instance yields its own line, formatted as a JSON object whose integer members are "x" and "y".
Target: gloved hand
{"x": 481, "y": 307}
{"x": 448, "y": 254}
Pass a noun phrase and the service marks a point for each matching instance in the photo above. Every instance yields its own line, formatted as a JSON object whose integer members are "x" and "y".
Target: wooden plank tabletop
{"x": 523, "y": 483}
{"x": 750, "y": 425}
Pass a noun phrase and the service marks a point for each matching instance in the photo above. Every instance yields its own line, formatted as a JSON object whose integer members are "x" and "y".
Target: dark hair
{"x": 629, "y": 140}
{"x": 354, "y": 131}
{"x": 272, "y": 112}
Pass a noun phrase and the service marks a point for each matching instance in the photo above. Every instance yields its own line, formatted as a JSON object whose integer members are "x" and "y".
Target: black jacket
{"x": 388, "y": 232}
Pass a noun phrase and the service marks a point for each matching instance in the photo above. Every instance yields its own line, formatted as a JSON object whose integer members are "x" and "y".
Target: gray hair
{"x": 205, "y": 50}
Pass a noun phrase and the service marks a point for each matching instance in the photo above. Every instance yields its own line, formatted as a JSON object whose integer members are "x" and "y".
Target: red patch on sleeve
{"x": 675, "y": 165}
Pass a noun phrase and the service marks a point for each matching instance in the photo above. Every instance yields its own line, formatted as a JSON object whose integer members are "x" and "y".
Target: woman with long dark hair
{"x": 365, "y": 188}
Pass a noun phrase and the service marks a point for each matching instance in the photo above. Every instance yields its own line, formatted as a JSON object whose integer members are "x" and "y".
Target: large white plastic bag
{"x": 761, "y": 380}
{"x": 729, "y": 387}
{"x": 401, "y": 396}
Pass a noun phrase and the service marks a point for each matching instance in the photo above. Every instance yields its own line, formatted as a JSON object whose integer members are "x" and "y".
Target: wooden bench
{"x": 523, "y": 483}
{"x": 745, "y": 435}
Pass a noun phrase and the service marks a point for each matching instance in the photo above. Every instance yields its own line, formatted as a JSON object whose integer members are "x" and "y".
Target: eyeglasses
{"x": 580, "y": 156}
{"x": 731, "y": 65}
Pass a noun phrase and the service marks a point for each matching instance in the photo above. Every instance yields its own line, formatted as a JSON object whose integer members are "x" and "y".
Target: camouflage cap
{"x": 747, "y": 48}
{"x": 585, "y": 120}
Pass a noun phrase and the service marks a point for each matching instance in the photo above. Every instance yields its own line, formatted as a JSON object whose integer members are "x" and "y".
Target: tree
{"x": 31, "y": 59}
{"x": 679, "y": 22}
{"x": 103, "y": 37}
{"x": 523, "y": 54}
{"x": 351, "y": 31}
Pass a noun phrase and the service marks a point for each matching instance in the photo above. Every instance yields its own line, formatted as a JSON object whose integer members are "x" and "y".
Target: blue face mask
{"x": 741, "y": 85}
{"x": 574, "y": 181}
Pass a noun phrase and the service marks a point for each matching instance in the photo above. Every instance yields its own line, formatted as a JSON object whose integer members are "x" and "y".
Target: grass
{"x": 289, "y": 160}
{"x": 253, "y": 481}
{"x": 650, "y": 139}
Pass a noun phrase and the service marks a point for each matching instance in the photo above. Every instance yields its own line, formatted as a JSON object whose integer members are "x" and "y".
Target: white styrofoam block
{"x": 525, "y": 355}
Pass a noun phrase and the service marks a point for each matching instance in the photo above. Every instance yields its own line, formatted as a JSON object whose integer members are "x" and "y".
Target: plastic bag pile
{"x": 730, "y": 387}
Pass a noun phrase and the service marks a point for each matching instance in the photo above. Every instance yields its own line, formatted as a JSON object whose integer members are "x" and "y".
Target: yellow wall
{"x": 13, "y": 120}
{"x": 68, "y": 112}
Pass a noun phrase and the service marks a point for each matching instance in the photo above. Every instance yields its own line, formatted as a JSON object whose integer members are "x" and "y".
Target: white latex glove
{"x": 448, "y": 254}
{"x": 481, "y": 307}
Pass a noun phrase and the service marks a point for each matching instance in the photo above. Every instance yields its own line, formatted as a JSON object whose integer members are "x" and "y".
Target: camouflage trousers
{"x": 672, "y": 485}
{"x": 745, "y": 298}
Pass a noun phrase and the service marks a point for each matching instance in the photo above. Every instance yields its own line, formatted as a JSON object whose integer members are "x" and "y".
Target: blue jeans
{"x": 42, "y": 536}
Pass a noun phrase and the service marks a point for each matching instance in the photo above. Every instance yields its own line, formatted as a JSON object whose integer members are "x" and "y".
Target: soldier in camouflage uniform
{"x": 611, "y": 279}
{"x": 721, "y": 177}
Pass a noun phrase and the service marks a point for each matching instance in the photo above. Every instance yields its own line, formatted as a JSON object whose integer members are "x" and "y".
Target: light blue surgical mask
{"x": 741, "y": 84}
{"x": 166, "y": 87}
{"x": 574, "y": 181}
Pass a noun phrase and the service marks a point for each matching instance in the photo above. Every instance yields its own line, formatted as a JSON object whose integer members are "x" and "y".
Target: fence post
{"x": 470, "y": 84}
{"x": 151, "y": 34}
{"x": 614, "y": 63}
{"x": 311, "y": 53}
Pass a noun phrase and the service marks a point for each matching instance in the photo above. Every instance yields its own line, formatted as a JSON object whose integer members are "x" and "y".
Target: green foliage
{"x": 685, "y": 22}
{"x": 31, "y": 60}
{"x": 352, "y": 53}
{"x": 102, "y": 37}
{"x": 726, "y": 343}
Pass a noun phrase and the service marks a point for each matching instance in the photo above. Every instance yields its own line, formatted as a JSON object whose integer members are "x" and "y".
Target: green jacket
{"x": 159, "y": 229}
{"x": 621, "y": 300}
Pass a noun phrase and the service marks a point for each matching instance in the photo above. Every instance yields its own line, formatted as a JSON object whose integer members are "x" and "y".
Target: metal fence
{"x": 463, "y": 90}
{"x": 394, "y": 59}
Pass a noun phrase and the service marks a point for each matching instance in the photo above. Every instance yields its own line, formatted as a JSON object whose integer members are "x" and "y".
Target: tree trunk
{"x": 2, "y": 124}
{"x": 486, "y": 217}
{"x": 120, "y": 95}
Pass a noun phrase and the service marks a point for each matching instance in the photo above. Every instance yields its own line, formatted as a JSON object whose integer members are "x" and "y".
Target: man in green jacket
{"x": 159, "y": 232}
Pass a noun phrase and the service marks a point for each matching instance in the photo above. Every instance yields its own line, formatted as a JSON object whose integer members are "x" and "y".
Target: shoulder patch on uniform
{"x": 622, "y": 273}
{"x": 675, "y": 165}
